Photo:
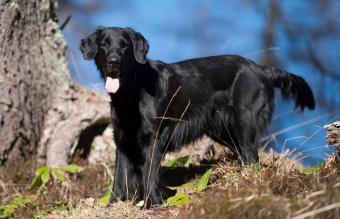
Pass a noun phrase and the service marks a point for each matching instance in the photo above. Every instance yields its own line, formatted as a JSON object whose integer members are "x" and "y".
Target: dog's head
{"x": 116, "y": 52}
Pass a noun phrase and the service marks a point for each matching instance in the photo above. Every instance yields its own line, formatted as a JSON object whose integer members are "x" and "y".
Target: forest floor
{"x": 276, "y": 188}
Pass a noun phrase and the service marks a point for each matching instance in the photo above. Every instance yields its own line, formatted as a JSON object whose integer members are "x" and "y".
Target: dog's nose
{"x": 113, "y": 61}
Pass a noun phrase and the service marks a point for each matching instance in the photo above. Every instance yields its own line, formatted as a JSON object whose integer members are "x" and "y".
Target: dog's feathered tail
{"x": 292, "y": 87}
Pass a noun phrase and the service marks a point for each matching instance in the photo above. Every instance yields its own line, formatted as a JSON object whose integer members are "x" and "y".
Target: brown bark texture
{"x": 42, "y": 111}
{"x": 333, "y": 134}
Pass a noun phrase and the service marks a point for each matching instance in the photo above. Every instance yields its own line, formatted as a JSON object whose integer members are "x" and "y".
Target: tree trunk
{"x": 41, "y": 109}
{"x": 333, "y": 134}
{"x": 273, "y": 15}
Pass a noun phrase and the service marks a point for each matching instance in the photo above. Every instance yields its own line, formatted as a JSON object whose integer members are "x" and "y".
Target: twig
{"x": 236, "y": 148}
{"x": 126, "y": 184}
{"x": 3, "y": 186}
{"x": 48, "y": 203}
{"x": 289, "y": 139}
{"x": 172, "y": 119}
{"x": 309, "y": 155}
{"x": 157, "y": 133}
{"x": 261, "y": 51}
{"x": 282, "y": 114}
{"x": 63, "y": 25}
{"x": 299, "y": 153}
{"x": 282, "y": 131}
{"x": 310, "y": 137}
{"x": 107, "y": 170}
{"x": 317, "y": 211}
{"x": 172, "y": 135}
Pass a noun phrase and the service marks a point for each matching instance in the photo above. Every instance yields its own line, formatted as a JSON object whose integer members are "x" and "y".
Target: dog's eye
{"x": 106, "y": 43}
{"x": 122, "y": 44}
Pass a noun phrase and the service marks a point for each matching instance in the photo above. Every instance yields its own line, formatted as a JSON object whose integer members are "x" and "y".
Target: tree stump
{"x": 333, "y": 134}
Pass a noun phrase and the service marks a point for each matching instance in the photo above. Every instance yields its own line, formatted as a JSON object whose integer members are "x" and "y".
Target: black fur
{"x": 160, "y": 106}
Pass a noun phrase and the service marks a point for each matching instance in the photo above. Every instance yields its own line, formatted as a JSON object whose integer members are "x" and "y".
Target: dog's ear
{"x": 88, "y": 46}
{"x": 140, "y": 45}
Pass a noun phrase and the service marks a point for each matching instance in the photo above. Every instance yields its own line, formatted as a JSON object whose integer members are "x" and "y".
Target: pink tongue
{"x": 111, "y": 85}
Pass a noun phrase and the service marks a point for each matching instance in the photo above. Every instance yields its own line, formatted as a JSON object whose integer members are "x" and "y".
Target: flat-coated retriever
{"x": 157, "y": 107}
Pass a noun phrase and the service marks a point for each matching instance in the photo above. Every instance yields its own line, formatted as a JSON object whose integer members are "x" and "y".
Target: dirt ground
{"x": 276, "y": 188}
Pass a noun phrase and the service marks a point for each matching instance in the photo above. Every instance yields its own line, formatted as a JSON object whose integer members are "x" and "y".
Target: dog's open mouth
{"x": 112, "y": 85}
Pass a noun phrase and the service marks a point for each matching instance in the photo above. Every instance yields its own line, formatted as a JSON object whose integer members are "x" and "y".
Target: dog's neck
{"x": 144, "y": 79}
{"x": 141, "y": 76}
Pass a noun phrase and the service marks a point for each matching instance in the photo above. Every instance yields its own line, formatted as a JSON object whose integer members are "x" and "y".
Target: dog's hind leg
{"x": 219, "y": 117}
{"x": 247, "y": 135}
{"x": 250, "y": 125}
{"x": 248, "y": 100}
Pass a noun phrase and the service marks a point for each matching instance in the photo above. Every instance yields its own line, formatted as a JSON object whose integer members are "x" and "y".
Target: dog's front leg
{"x": 152, "y": 188}
{"x": 127, "y": 179}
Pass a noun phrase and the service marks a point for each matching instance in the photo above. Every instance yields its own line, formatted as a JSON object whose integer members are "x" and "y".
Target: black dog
{"x": 158, "y": 107}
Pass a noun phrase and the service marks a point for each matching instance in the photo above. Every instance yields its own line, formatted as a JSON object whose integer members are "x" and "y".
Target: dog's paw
{"x": 116, "y": 196}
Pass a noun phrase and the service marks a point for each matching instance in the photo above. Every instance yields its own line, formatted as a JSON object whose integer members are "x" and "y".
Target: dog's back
{"x": 207, "y": 93}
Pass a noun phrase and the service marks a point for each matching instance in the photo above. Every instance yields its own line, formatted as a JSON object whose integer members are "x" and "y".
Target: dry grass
{"x": 15, "y": 180}
{"x": 271, "y": 191}
{"x": 87, "y": 208}
{"x": 276, "y": 188}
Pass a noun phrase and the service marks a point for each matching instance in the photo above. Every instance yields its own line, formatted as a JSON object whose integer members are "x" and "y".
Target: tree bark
{"x": 333, "y": 134}
{"x": 41, "y": 109}
{"x": 273, "y": 15}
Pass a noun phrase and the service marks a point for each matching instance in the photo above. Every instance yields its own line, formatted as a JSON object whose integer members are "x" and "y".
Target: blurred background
{"x": 302, "y": 37}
